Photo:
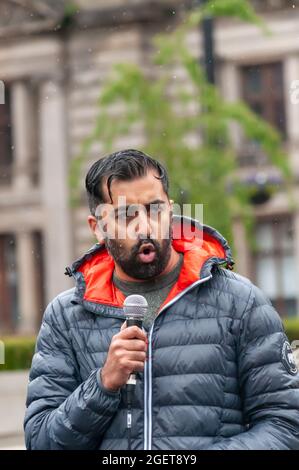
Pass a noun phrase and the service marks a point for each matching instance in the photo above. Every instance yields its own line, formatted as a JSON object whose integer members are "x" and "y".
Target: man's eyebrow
{"x": 157, "y": 201}
{"x": 121, "y": 208}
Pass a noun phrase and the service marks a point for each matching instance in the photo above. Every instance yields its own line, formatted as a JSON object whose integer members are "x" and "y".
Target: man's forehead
{"x": 140, "y": 200}
{"x": 144, "y": 190}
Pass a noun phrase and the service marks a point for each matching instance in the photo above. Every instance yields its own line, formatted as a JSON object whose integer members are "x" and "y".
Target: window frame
{"x": 6, "y": 159}
{"x": 269, "y": 97}
{"x": 277, "y": 253}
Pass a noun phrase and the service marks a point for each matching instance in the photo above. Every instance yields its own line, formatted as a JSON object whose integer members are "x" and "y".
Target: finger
{"x": 133, "y": 332}
{"x": 138, "y": 356}
{"x": 133, "y": 345}
{"x": 123, "y": 326}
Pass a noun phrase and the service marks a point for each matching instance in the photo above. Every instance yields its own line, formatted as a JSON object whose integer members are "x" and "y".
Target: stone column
{"x": 230, "y": 90}
{"x": 241, "y": 252}
{"x": 27, "y": 295}
{"x": 296, "y": 252}
{"x": 291, "y": 74}
{"x": 23, "y": 135}
{"x": 54, "y": 187}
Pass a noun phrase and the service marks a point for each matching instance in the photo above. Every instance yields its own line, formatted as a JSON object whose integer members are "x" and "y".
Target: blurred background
{"x": 222, "y": 113}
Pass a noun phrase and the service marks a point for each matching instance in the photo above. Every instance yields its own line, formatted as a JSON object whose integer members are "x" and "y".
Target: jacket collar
{"x": 203, "y": 249}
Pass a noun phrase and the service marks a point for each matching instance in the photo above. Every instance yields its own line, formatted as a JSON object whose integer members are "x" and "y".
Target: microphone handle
{"x": 131, "y": 383}
{"x": 134, "y": 322}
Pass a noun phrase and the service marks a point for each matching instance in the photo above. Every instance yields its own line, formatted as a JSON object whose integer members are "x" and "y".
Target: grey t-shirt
{"x": 154, "y": 290}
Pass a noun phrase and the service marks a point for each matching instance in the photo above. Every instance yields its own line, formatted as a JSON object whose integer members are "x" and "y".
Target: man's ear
{"x": 95, "y": 228}
{"x": 171, "y": 202}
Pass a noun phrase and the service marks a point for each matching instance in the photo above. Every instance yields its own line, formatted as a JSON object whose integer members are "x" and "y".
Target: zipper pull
{"x": 68, "y": 271}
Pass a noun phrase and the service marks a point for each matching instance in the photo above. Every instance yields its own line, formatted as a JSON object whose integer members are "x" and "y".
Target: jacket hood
{"x": 202, "y": 248}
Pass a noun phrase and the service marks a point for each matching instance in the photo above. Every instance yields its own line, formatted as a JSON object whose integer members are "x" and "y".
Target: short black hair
{"x": 123, "y": 165}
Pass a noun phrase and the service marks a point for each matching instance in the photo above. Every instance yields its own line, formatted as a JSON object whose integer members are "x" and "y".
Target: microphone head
{"x": 135, "y": 306}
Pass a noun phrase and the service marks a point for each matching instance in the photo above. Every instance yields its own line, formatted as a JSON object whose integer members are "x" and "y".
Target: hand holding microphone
{"x": 127, "y": 351}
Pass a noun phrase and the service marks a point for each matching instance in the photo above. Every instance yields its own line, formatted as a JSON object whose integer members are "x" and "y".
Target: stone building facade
{"x": 53, "y": 73}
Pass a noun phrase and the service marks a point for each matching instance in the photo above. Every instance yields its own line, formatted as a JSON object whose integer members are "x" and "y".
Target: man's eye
{"x": 156, "y": 208}
{"x": 125, "y": 216}
{"x": 131, "y": 213}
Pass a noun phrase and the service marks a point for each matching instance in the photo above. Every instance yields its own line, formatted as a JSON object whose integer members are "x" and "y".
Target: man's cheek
{"x": 132, "y": 230}
{"x": 159, "y": 227}
{"x": 167, "y": 227}
{"x": 121, "y": 231}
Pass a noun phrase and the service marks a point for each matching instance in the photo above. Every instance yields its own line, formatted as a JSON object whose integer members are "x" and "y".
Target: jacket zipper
{"x": 148, "y": 371}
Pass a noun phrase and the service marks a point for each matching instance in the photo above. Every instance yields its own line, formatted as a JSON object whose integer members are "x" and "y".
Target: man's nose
{"x": 143, "y": 228}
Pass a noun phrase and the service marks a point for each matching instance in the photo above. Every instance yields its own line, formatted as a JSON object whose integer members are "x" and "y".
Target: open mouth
{"x": 147, "y": 253}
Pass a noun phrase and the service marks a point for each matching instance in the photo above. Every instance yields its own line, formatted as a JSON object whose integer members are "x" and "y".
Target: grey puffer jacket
{"x": 220, "y": 373}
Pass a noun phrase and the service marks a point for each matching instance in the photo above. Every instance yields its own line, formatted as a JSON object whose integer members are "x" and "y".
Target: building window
{"x": 8, "y": 284}
{"x": 263, "y": 91}
{"x": 275, "y": 264}
{"x": 10, "y": 278}
{"x": 6, "y": 153}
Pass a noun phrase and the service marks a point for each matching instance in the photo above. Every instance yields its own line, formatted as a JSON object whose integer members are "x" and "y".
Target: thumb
{"x": 123, "y": 326}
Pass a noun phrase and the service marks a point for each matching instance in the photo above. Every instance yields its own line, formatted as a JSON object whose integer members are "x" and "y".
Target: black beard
{"x": 131, "y": 264}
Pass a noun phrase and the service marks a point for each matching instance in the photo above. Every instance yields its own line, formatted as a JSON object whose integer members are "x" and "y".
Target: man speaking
{"x": 212, "y": 365}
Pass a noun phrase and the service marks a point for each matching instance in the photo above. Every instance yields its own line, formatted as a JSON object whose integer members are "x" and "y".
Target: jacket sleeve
{"x": 268, "y": 381}
{"x": 62, "y": 411}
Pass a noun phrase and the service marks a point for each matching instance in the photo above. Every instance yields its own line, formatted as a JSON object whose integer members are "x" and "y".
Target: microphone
{"x": 135, "y": 307}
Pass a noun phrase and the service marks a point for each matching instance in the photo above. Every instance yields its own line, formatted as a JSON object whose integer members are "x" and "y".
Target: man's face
{"x": 137, "y": 227}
